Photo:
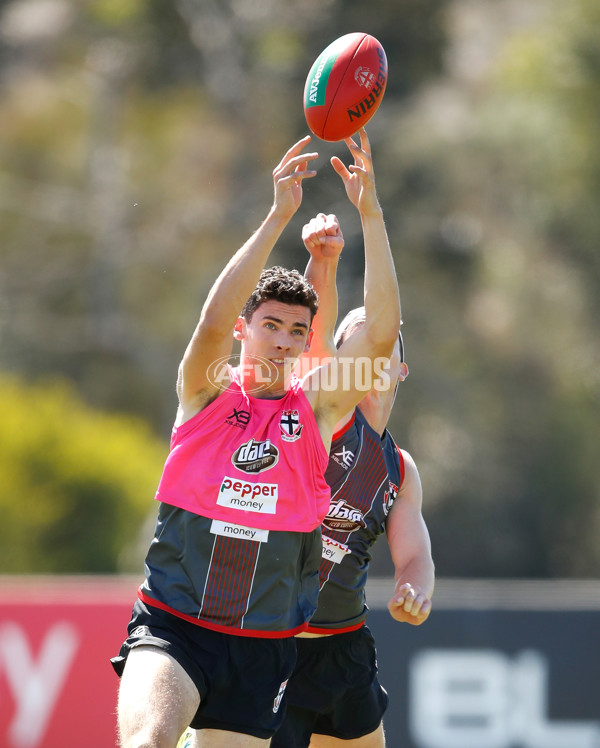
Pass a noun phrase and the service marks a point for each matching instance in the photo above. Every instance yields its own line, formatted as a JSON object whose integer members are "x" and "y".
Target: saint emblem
{"x": 290, "y": 426}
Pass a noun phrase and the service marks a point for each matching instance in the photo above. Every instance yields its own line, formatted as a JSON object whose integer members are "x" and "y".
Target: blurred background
{"x": 137, "y": 141}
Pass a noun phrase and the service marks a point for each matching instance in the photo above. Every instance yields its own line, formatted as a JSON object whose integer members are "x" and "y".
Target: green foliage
{"x": 116, "y": 12}
{"x": 76, "y": 484}
{"x": 505, "y": 423}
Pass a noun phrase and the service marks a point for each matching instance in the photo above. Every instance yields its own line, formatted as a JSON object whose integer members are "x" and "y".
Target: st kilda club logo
{"x": 389, "y": 497}
{"x": 254, "y": 457}
{"x": 290, "y": 426}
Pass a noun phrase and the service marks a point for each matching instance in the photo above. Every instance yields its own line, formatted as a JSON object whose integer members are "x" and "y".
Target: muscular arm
{"x": 410, "y": 547}
{"x": 381, "y": 294}
{"x": 324, "y": 241}
{"x": 212, "y": 338}
{"x": 378, "y": 334}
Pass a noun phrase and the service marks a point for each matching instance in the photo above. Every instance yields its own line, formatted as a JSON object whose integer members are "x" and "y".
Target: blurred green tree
{"x": 77, "y": 484}
{"x": 499, "y": 191}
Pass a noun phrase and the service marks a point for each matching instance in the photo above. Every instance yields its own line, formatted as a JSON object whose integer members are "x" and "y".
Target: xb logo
{"x": 240, "y": 416}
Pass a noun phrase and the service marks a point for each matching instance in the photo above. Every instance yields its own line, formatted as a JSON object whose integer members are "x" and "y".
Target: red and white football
{"x": 345, "y": 86}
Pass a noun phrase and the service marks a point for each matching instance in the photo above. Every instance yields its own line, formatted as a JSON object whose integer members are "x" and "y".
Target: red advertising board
{"x": 57, "y": 687}
{"x": 502, "y": 664}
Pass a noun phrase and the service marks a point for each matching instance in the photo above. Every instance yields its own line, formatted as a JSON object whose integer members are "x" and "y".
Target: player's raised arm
{"x": 323, "y": 239}
{"x": 377, "y": 336}
{"x": 382, "y": 298}
{"x": 212, "y": 338}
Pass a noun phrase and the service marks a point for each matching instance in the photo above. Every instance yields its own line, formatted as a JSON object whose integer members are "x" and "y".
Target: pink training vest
{"x": 250, "y": 461}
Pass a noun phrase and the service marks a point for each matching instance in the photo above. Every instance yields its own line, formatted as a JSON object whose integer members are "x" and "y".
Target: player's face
{"x": 277, "y": 332}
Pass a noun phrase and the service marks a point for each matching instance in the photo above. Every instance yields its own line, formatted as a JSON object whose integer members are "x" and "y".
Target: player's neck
{"x": 262, "y": 379}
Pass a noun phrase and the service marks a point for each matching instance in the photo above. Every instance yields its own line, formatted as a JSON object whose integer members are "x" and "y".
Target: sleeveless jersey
{"x": 231, "y": 578}
{"x": 238, "y": 541}
{"x": 250, "y": 461}
{"x": 365, "y": 473}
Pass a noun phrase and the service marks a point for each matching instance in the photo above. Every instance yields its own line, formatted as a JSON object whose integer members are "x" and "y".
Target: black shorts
{"x": 239, "y": 678}
{"x": 334, "y": 690}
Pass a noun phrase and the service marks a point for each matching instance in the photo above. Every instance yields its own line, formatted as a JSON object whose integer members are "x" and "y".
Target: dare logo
{"x": 343, "y": 517}
{"x": 255, "y": 457}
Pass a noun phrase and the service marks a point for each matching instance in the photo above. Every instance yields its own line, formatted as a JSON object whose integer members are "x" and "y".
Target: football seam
{"x": 362, "y": 41}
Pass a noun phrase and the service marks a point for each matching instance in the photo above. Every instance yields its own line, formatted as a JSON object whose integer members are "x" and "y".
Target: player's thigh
{"x": 225, "y": 739}
{"x": 157, "y": 698}
{"x": 375, "y": 739}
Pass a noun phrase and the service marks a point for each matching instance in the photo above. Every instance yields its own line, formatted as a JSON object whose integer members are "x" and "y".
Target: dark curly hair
{"x": 280, "y": 284}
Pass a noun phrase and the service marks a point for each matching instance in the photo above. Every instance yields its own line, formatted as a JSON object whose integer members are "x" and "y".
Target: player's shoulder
{"x": 410, "y": 472}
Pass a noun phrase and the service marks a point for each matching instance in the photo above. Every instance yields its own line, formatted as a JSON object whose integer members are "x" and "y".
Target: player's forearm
{"x": 419, "y": 572}
{"x": 238, "y": 280}
{"x": 382, "y": 297}
{"x": 322, "y": 275}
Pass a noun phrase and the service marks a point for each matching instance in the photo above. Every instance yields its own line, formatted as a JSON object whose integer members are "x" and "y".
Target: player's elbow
{"x": 382, "y": 325}
{"x": 382, "y": 335}
{"x": 210, "y": 327}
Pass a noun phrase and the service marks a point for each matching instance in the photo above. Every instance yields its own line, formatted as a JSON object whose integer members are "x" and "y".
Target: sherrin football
{"x": 345, "y": 86}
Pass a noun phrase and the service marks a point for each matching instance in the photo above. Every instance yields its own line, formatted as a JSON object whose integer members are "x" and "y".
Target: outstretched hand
{"x": 409, "y": 605}
{"x": 288, "y": 176}
{"x": 322, "y": 237}
{"x": 359, "y": 177}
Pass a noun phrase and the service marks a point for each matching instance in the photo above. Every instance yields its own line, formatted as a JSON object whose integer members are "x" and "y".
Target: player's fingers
{"x": 423, "y": 612}
{"x": 315, "y": 233}
{"x": 296, "y": 177}
{"x": 293, "y": 151}
{"x": 321, "y": 224}
{"x": 364, "y": 141}
{"x": 340, "y": 167}
{"x": 312, "y": 226}
{"x": 362, "y": 175}
{"x": 308, "y": 234}
{"x": 363, "y": 152}
{"x": 359, "y": 153}
{"x": 409, "y": 599}
{"x": 425, "y": 609}
{"x": 288, "y": 166}
{"x": 301, "y": 168}
{"x": 331, "y": 224}
{"x": 400, "y": 595}
{"x": 418, "y": 603}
